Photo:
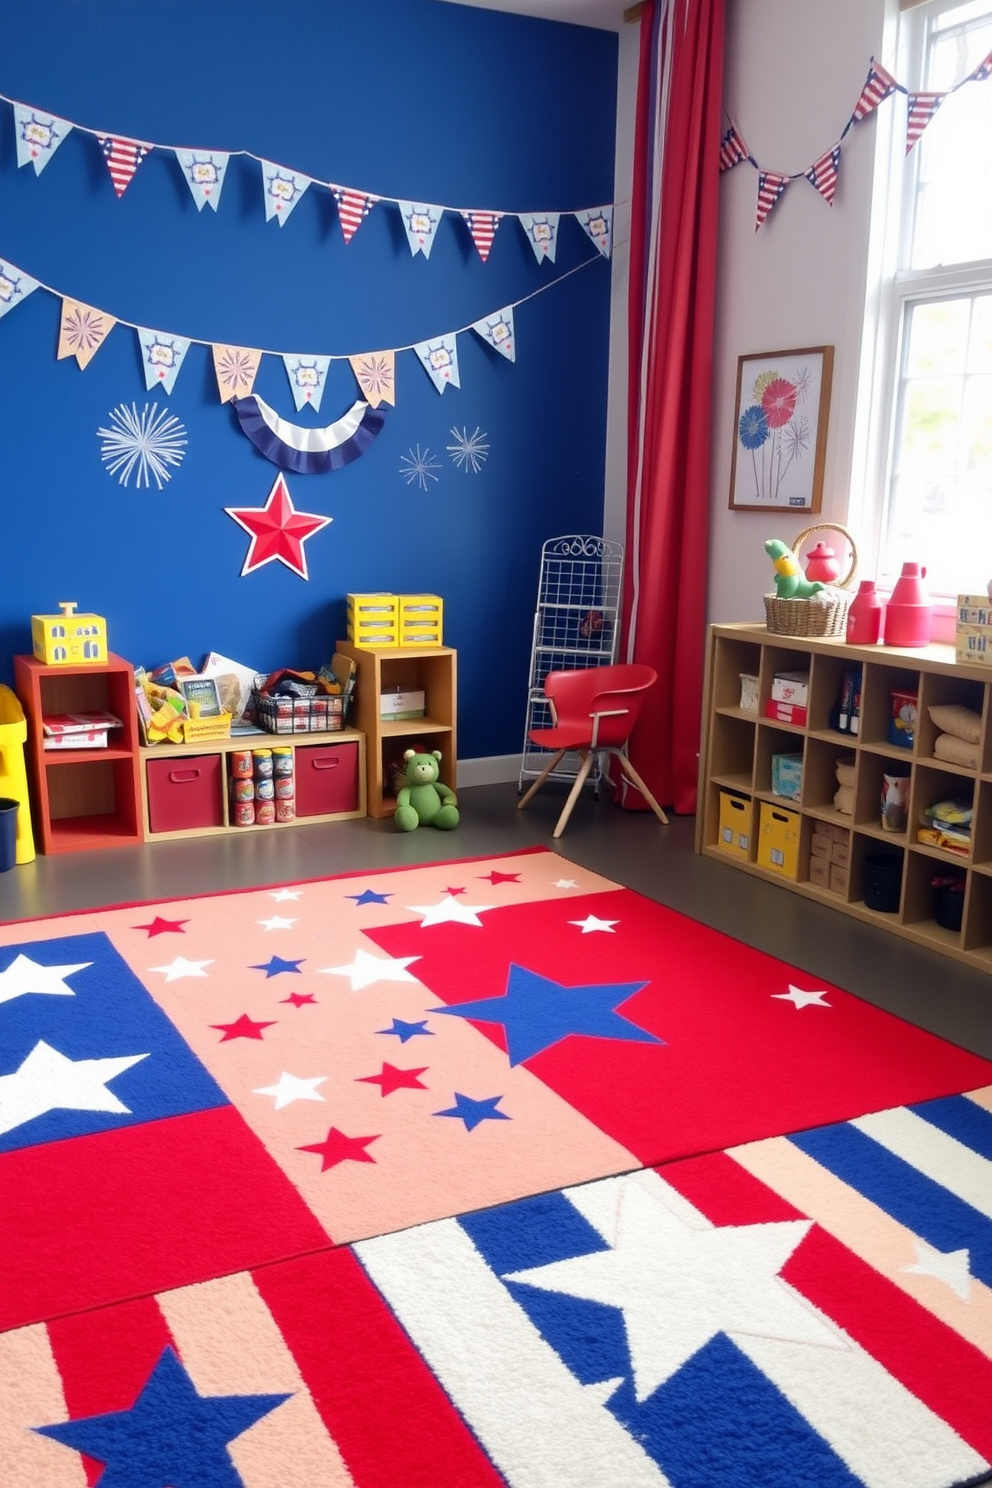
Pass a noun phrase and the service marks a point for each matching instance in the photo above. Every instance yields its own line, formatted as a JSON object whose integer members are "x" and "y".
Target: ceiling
{"x": 606, "y": 14}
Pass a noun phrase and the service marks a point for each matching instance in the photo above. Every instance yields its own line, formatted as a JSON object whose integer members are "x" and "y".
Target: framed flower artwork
{"x": 780, "y": 430}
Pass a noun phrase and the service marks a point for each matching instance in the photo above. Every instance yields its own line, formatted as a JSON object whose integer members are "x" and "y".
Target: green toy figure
{"x": 789, "y": 580}
{"x": 424, "y": 801}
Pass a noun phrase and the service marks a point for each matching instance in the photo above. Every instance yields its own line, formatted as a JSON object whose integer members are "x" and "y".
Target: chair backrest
{"x": 618, "y": 690}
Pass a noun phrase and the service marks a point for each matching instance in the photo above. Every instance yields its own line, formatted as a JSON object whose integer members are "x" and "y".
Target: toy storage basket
{"x": 825, "y": 614}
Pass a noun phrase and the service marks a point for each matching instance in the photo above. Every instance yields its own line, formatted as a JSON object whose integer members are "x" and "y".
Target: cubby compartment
{"x": 981, "y": 846}
{"x": 821, "y": 781}
{"x": 936, "y": 783}
{"x": 732, "y": 752}
{"x": 875, "y": 795}
{"x": 934, "y": 900}
{"x": 977, "y": 929}
{"x": 776, "y": 739}
{"x": 885, "y": 716}
{"x": 826, "y": 690}
{"x": 878, "y": 871}
{"x": 776, "y": 659}
{"x": 960, "y": 723}
{"x": 740, "y": 659}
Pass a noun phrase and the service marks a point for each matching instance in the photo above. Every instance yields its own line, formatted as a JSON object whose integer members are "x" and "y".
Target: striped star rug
{"x": 483, "y": 1172}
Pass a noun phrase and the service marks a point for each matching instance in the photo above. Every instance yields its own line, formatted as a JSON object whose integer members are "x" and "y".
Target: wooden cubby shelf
{"x": 735, "y": 823}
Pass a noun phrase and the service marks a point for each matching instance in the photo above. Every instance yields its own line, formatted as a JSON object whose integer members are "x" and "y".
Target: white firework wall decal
{"x": 143, "y": 445}
{"x": 417, "y": 467}
{"x": 469, "y": 451}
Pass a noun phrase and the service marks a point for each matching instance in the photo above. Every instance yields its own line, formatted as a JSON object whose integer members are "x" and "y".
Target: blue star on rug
{"x": 170, "y": 1435}
{"x": 276, "y": 964}
{"x": 537, "y": 1012}
{"x": 404, "y": 1031}
{"x": 473, "y": 1111}
{"x": 368, "y": 896}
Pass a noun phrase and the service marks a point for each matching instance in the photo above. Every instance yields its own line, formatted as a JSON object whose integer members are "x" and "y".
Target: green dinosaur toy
{"x": 424, "y": 801}
{"x": 789, "y": 580}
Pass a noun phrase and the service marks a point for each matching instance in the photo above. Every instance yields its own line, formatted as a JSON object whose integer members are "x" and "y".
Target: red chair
{"x": 594, "y": 711}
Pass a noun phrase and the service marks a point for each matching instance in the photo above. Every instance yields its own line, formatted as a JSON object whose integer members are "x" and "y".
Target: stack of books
{"x": 78, "y": 730}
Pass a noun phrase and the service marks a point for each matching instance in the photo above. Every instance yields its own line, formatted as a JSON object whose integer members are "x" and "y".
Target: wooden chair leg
{"x": 574, "y": 793}
{"x": 635, "y": 779}
{"x": 540, "y": 779}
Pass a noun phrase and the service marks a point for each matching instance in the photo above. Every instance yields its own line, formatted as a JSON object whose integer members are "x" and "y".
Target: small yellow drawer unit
{"x": 421, "y": 619}
{"x": 68, "y": 639}
{"x": 778, "y": 840}
{"x": 735, "y": 825}
{"x": 374, "y": 619}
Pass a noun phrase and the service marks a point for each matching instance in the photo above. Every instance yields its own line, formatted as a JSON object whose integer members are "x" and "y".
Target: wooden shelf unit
{"x": 431, "y": 669}
{"x": 735, "y": 756}
{"x": 82, "y": 798}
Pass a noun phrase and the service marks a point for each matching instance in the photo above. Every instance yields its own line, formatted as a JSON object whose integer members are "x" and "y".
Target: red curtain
{"x": 672, "y": 287}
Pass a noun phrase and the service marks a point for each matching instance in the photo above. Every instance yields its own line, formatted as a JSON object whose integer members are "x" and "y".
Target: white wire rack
{"x": 576, "y": 625}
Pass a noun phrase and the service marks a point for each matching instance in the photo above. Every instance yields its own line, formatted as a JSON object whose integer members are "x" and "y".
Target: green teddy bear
{"x": 425, "y": 801}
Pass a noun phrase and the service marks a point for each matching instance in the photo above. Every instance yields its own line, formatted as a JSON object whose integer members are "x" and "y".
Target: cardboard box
{"x": 67, "y": 639}
{"x": 834, "y": 832}
{"x": 735, "y": 825}
{"x": 395, "y": 706}
{"x": 791, "y": 687}
{"x": 973, "y": 630}
{"x": 820, "y": 845}
{"x": 793, "y": 713}
{"x": 840, "y": 854}
{"x": 787, "y": 775}
{"x": 819, "y": 872}
{"x": 838, "y": 879}
{"x": 778, "y": 840}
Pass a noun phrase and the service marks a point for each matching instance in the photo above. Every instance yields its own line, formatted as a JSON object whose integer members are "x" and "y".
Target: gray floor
{"x": 933, "y": 991}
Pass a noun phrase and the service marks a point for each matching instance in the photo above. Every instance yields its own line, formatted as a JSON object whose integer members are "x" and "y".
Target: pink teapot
{"x": 822, "y": 563}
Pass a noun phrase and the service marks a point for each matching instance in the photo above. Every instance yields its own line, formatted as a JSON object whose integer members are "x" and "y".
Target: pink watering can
{"x": 909, "y": 614}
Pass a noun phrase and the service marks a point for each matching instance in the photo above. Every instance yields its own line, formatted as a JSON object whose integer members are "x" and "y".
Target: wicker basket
{"x": 825, "y": 614}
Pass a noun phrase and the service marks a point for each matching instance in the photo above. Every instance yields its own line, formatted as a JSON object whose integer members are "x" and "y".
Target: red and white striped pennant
{"x": 878, "y": 85}
{"x": 482, "y": 226}
{"x": 770, "y": 188}
{"x": 353, "y": 208}
{"x": 982, "y": 71}
{"x": 123, "y": 156}
{"x": 823, "y": 174}
{"x": 732, "y": 149}
{"x": 921, "y": 109}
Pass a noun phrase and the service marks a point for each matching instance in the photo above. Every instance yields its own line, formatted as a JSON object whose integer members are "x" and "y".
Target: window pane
{"x": 980, "y": 350}
{"x": 938, "y": 337}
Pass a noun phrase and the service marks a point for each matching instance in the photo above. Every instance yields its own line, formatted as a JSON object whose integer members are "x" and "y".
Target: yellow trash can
{"x": 13, "y": 777}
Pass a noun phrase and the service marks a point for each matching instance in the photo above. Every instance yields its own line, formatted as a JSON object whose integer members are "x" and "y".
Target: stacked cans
{"x": 262, "y": 787}
{"x": 242, "y": 790}
{"x": 285, "y": 784}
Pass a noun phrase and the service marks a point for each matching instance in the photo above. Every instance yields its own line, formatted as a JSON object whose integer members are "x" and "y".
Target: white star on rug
{"x": 277, "y": 923}
{"x": 49, "y": 1081}
{"x": 280, "y": 894}
{"x": 24, "y": 975}
{"x": 678, "y": 1286}
{"x": 950, "y": 1266}
{"x": 449, "y": 910}
{"x": 289, "y": 1088}
{"x": 180, "y": 967}
{"x": 803, "y": 999}
{"x": 591, "y": 923}
{"x": 366, "y": 969}
{"x": 565, "y": 883}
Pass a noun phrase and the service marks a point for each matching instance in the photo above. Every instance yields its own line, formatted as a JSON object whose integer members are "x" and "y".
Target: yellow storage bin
{"x": 735, "y": 825}
{"x": 13, "y": 775}
{"x": 68, "y": 638}
{"x": 421, "y": 619}
{"x": 778, "y": 840}
{"x": 374, "y": 619}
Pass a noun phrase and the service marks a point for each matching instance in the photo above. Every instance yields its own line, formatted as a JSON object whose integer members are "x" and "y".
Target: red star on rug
{"x": 496, "y": 877}
{"x": 391, "y": 1078}
{"x": 454, "y": 891}
{"x": 244, "y": 1027}
{"x": 277, "y": 530}
{"x": 339, "y": 1148}
{"x": 158, "y": 926}
{"x": 299, "y": 999}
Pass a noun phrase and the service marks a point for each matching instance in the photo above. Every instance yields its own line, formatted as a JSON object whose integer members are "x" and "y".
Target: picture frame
{"x": 204, "y": 691}
{"x": 780, "y": 429}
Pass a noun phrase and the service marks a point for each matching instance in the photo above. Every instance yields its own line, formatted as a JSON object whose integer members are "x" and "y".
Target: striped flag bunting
{"x": 353, "y": 208}
{"x": 482, "y": 226}
{"x": 732, "y": 149}
{"x": 770, "y": 188}
{"x": 921, "y": 108}
{"x": 823, "y": 174}
{"x": 982, "y": 71}
{"x": 878, "y": 85}
{"x": 123, "y": 157}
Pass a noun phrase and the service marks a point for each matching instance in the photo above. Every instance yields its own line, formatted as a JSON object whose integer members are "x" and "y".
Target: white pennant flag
{"x": 15, "y": 286}
{"x": 204, "y": 171}
{"x": 283, "y": 189}
{"x": 38, "y": 136}
{"x": 307, "y": 376}
{"x": 440, "y": 358}
{"x": 420, "y": 220}
{"x": 497, "y": 329}
{"x": 542, "y": 233}
{"x": 161, "y": 356}
{"x": 598, "y": 223}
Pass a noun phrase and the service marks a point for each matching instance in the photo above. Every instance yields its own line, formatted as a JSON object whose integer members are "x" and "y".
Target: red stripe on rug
{"x": 141, "y": 1209}
{"x": 391, "y": 1420}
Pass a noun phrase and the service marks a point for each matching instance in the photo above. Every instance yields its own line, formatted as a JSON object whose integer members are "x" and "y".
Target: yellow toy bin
{"x": 736, "y": 813}
{"x": 374, "y": 619}
{"x": 778, "y": 840}
{"x": 68, "y": 639}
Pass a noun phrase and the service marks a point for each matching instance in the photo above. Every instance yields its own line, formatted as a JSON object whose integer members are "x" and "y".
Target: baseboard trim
{"x": 493, "y": 769}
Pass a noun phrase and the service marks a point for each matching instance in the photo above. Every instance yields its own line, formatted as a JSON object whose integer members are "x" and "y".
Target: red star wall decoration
{"x": 277, "y": 530}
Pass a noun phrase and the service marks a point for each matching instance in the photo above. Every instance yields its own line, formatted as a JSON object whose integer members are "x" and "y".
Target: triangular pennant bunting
{"x": 770, "y": 188}
{"x": 440, "y": 359}
{"x": 420, "y": 220}
{"x": 823, "y": 174}
{"x": 353, "y": 208}
{"x": 542, "y": 233}
{"x": 82, "y": 331}
{"x": 981, "y": 72}
{"x": 498, "y": 331}
{"x": 878, "y": 85}
{"x": 38, "y": 136}
{"x": 14, "y": 286}
{"x": 921, "y": 108}
{"x": 307, "y": 376}
{"x": 204, "y": 172}
{"x": 482, "y": 226}
{"x": 375, "y": 374}
{"x": 282, "y": 189}
{"x": 732, "y": 149}
{"x": 598, "y": 223}
{"x": 123, "y": 156}
{"x": 236, "y": 368}
{"x": 161, "y": 357}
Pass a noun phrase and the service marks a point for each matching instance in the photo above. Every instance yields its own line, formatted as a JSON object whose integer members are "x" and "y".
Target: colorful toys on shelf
{"x": 424, "y": 800}
{"x": 68, "y": 639}
{"x": 822, "y": 564}
{"x": 789, "y": 580}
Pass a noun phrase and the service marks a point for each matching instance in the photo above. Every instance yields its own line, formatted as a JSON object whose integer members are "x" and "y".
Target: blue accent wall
{"x": 410, "y": 99}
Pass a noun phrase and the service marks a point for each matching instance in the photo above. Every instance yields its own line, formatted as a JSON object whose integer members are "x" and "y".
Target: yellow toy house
{"x": 68, "y": 639}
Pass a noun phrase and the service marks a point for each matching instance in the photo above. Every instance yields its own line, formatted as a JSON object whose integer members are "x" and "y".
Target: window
{"x": 938, "y": 483}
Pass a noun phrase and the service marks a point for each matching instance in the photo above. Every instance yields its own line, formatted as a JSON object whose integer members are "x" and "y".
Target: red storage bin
{"x": 184, "y": 794}
{"x": 326, "y": 778}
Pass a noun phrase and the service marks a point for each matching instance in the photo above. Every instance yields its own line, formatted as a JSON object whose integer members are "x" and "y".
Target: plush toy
{"x": 424, "y": 801}
{"x": 789, "y": 580}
